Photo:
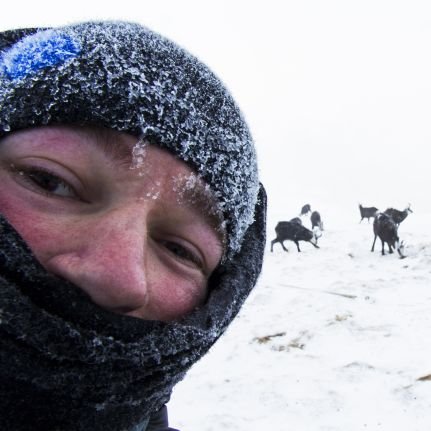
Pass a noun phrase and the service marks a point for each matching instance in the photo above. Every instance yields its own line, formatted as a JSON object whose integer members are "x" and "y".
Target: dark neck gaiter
{"x": 66, "y": 364}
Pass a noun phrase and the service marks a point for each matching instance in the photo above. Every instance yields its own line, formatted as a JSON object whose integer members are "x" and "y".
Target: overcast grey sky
{"x": 337, "y": 93}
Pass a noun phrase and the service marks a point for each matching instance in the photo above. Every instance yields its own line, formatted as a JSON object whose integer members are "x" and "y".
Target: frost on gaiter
{"x": 128, "y": 78}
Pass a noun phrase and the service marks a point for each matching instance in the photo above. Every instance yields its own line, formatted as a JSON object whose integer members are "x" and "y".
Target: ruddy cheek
{"x": 177, "y": 297}
{"x": 33, "y": 229}
{"x": 15, "y": 212}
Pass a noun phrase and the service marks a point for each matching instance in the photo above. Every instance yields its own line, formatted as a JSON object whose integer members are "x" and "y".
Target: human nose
{"x": 106, "y": 258}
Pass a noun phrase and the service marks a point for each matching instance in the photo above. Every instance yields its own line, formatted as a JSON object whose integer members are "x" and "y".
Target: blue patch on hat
{"x": 38, "y": 51}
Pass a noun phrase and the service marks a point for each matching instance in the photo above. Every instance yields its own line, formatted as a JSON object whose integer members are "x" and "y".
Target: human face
{"x": 133, "y": 232}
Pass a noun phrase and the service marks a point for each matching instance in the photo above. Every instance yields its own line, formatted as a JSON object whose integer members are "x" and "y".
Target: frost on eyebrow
{"x": 154, "y": 192}
{"x": 138, "y": 155}
{"x": 192, "y": 191}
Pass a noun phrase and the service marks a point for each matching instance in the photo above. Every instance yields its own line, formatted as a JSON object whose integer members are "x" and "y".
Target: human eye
{"x": 45, "y": 182}
{"x": 183, "y": 253}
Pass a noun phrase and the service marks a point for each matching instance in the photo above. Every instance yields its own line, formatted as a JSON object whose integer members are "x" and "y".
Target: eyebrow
{"x": 202, "y": 199}
{"x": 110, "y": 143}
{"x": 198, "y": 198}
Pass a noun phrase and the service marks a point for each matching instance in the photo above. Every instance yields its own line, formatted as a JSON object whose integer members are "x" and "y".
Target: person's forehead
{"x": 132, "y": 153}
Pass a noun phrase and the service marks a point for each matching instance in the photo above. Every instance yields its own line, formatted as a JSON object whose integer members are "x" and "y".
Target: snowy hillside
{"x": 331, "y": 339}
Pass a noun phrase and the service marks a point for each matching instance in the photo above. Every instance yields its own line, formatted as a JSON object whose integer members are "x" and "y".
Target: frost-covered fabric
{"x": 68, "y": 365}
{"x": 126, "y": 77}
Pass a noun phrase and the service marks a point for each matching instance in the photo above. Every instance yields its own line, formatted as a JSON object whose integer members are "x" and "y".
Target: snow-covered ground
{"x": 331, "y": 339}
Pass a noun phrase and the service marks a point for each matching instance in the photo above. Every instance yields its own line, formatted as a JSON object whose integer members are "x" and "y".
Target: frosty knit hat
{"x": 123, "y": 76}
